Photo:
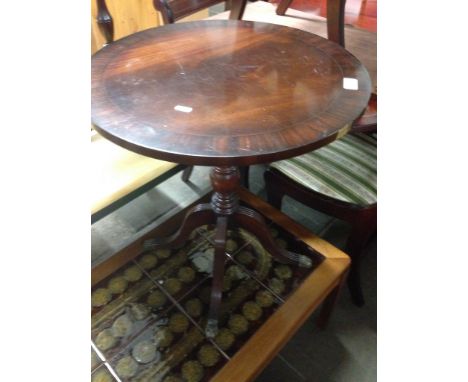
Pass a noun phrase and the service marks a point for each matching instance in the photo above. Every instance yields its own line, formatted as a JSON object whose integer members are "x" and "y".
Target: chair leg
{"x": 354, "y": 283}
{"x": 186, "y": 173}
{"x": 283, "y": 7}
{"x": 244, "y": 174}
{"x": 274, "y": 194}
{"x": 363, "y": 221}
{"x": 360, "y": 234}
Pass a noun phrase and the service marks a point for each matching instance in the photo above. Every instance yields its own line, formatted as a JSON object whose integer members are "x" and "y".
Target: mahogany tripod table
{"x": 225, "y": 94}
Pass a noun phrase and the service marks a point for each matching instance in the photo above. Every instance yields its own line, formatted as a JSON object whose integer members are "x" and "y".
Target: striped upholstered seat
{"x": 345, "y": 169}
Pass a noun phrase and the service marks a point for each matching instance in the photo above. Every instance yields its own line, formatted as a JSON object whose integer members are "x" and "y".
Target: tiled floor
{"x": 345, "y": 352}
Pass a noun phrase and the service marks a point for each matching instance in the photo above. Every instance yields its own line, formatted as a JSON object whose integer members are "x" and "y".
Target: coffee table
{"x": 225, "y": 94}
{"x": 304, "y": 292}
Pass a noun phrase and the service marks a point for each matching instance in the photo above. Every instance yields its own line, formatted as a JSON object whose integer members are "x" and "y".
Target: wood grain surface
{"x": 360, "y": 43}
{"x": 225, "y": 92}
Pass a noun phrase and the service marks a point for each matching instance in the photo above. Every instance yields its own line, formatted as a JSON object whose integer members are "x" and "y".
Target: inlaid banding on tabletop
{"x": 234, "y": 92}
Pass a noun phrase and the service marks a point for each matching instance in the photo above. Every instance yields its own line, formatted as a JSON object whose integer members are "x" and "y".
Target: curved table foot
{"x": 253, "y": 222}
{"x": 199, "y": 215}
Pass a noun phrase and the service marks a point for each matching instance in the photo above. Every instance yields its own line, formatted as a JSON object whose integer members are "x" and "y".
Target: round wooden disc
{"x": 225, "y": 92}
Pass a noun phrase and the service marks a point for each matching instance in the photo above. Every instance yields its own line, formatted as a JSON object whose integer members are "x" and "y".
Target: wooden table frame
{"x": 322, "y": 286}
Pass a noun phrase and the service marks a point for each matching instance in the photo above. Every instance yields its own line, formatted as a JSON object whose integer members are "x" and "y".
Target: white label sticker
{"x": 350, "y": 83}
{"x": 183, "y": 109}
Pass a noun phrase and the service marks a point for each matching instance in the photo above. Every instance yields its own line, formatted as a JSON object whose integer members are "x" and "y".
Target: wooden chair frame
{"x": 188, "y": 7}
{"x": 363, "y": 219}
{"x": 335, "y": 18}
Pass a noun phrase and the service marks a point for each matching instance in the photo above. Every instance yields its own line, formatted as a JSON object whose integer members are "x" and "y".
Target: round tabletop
{"x": 225, "y": 92}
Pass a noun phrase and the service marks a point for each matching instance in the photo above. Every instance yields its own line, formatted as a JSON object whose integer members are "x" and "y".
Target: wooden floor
{"x": 360, "y": 13}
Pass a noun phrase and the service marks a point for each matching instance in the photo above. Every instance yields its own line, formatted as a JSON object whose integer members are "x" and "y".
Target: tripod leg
{"x": 199, "y": 215}
{"x": 218, "y": 273}
{"x": 253, "y": 222}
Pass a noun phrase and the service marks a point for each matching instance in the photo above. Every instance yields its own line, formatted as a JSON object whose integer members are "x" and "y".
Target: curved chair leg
{"x": 218, "y": 275}
{"x": 199, "y": 215}
{"x": 253, "y": 222}
{"x": 186, "y": 173}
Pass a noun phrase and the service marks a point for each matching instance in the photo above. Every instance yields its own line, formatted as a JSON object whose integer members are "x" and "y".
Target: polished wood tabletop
{"x": 225, "y": 92}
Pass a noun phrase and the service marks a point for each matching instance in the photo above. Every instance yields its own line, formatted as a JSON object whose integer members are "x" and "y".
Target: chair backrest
{"x": 335, "y": 21}
{"x": 335, "y": 18}
{"x": 173, "y": 10}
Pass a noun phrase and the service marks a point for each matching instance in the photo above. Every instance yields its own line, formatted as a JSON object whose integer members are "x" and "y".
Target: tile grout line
{"x": 326, "y": 228}
{"x": 299, "y": 374}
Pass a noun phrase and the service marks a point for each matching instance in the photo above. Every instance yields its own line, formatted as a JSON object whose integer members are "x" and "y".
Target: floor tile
{"x": 279, "y": 371}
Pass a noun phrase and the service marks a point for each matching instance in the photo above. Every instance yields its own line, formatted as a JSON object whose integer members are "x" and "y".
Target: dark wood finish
{"x": 367, "y": 123}
{"x": 173, "y": 10}
{"x": 224, "y": 210}
{"x": 135, "y": 245}
{"x": 237, "y": 8}
{"x": 105, "y": 22}
{"x": 254, "y": 223}
{"x": 244, "y": 82}
{"x": 335, "y": 12}
{"x": 225, "y": 93}
{"x": 335, "y": 21}
{"x": 361, "y": 43}
{"x": 363, "y": 219}
{"x": 244, "y": 175}
{"x": 283, "y": 7}
{"x": 199, "y": 215}
{"x": 225, "y": 181}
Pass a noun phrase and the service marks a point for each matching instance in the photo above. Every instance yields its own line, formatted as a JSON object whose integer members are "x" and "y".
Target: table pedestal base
{"x": 224, "y": 211}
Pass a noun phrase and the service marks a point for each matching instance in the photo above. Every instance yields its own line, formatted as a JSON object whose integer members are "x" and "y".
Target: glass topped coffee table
{"x": 164, "y": 306}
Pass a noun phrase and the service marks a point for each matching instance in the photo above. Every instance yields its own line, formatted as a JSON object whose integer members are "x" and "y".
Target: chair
{"x": 174, "y": 10}
{"x": 340, "y": 178}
